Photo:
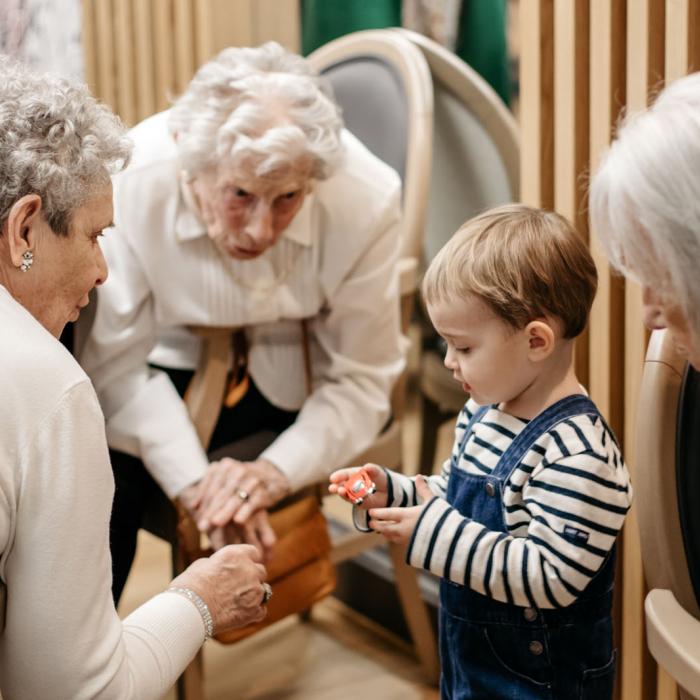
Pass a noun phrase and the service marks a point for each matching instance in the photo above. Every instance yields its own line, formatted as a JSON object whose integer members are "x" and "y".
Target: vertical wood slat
{"x": 571, "y": 137}
{"x": 124, "y": 61}
{"x": 607, "y": 98}
{"x": 666, "y": 688}
{"x": 144, "y": 59}
{"x": 88, "y": 42}
{"x": 235, "y": 23}
{"x": 278, "y": 20}
{"x": 184, "y": 40}
{"x": 204, "y": 38}
{"x": 164, "y": 52}
{"x": 104, "y": 43}
{"x": 645, "y": 57}
{"x": 537, "y": 103}
{"x": 606, "y": 333}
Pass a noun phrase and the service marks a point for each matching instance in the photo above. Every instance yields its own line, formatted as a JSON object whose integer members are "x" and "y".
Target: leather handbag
{"x": 299, "y": 570}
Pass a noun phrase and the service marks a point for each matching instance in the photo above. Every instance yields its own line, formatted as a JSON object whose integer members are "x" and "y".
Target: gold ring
{"x": 243, "y": 495}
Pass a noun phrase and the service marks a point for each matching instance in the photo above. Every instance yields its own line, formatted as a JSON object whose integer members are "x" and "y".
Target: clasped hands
{"x": 230, "y": 502}
{"x": 395, "y": 523}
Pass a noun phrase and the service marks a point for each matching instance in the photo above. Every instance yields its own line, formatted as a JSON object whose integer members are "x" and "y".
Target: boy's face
{"x": 489, "y": 358}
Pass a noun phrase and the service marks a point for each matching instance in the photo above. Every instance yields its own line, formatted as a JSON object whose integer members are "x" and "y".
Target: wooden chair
{"x": 476, "y": 165}
{"x": 667, "y": 488}
{"x": 383, "y": 85}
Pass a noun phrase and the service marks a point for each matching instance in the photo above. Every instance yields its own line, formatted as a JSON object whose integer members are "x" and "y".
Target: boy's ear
{"x": 540, "y": 339}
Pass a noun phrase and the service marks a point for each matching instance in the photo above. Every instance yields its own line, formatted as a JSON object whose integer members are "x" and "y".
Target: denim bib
{"x": 492, "y": 650}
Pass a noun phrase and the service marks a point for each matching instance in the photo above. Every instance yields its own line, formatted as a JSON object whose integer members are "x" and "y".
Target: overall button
{"x": 535, "y": 648}
{"x": 530, "y": 614}
{"x": 490, "y": 489}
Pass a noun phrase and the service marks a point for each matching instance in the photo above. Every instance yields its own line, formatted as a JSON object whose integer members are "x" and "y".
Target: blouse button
{"x": 530, "y": 614}
{"x": 490, "y": 489}
{"x": 535, "y": 648}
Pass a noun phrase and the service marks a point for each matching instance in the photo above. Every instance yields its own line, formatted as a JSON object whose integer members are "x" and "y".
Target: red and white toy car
{"x": 359, "y": 486}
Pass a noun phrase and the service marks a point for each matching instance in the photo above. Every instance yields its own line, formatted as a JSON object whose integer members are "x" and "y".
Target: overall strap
{"x": 476, "y": 417}
{"x": 565, "y": 408}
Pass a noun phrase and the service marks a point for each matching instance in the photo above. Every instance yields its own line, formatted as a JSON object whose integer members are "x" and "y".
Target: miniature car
{"x": 359, "y": 486}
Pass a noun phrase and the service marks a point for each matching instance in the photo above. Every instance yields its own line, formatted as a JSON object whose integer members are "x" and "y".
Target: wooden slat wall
{"x": 608, "y": 55}
{"x": 141, "y": 53}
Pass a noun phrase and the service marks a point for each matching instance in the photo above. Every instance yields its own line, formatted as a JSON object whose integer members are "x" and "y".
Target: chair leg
{"x": 416, "y": 614}
{"x": 190, "y": 685}
{"x": 431, "y": 420}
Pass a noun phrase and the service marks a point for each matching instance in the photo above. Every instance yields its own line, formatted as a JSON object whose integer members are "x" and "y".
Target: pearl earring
{"x": 27, "y": 260}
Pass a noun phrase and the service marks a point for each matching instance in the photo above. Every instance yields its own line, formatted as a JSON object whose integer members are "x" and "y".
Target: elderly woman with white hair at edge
{"x": 245, "y": 205}
{"x": 645, "y": 208}
{"x": 60, "y": 636}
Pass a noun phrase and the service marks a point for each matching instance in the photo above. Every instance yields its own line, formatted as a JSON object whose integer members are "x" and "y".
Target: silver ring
{"x": 267, "y": 593}
{"x": 243, "y": 495}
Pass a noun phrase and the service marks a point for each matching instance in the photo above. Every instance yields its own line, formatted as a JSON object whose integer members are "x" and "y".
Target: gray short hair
{"x": 56, "y": 141}
{"x": 264, "y": 106}
{"x": 645, "y": 196}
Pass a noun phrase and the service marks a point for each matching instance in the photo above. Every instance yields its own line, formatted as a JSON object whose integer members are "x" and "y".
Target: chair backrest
{"x": 662, "y": 418}
{"x": 476, "y": 151}
{"x": 667, "y": 487}
{"x": 382, "y": 83}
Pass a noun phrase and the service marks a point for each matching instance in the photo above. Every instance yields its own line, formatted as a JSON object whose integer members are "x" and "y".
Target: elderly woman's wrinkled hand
{"x": 232, "y": 491}
{"x": 230, "y": 583}
{"x": 256, "y": 531}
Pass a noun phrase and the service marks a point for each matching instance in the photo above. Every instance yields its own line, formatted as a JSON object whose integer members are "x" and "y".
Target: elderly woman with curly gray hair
{"x": 60, "y": 634}
{"x": 246, "y": 205}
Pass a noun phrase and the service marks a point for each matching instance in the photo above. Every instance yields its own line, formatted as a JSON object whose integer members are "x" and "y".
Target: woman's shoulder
{"x": 37, "y": 369}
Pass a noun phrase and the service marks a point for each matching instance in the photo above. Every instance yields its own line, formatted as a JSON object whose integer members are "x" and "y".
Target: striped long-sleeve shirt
{"x": 564, "y": 504}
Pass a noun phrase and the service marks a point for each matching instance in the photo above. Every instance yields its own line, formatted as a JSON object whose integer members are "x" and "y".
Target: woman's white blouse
{"x": 335, "y": 264}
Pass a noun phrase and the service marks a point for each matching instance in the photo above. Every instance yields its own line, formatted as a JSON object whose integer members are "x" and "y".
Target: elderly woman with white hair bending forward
{"x": 245, "y": 205}
{"x": 60, "y": 636}
{"x": 645, "y": 208}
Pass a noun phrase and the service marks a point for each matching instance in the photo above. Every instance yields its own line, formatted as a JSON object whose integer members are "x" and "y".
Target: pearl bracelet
{"x": 201, "y": 607}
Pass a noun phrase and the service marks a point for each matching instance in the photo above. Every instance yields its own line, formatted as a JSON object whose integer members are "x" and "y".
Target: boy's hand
{"x": 398, "y": 524}
{"x": 376, "y": 500}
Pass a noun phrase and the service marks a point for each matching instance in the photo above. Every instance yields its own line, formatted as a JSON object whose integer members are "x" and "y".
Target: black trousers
{"x": 242, "y": 432}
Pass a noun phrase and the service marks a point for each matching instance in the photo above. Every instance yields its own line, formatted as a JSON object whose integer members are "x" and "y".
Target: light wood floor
{"x": 337, "y": 655}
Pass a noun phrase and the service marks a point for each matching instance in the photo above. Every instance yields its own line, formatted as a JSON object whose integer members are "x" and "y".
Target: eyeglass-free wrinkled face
{"x": 245, "y": 214}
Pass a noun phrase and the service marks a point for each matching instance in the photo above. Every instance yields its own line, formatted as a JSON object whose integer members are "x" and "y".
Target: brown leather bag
{"x": 300, "y": 570}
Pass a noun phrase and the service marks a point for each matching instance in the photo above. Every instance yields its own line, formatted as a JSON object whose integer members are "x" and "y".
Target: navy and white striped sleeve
{"x": 576, "y": 508}
{"x": 402, "y": 488}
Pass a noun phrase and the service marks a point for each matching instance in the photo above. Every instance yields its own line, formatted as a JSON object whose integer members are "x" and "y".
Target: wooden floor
{"x": 337, "y": 655}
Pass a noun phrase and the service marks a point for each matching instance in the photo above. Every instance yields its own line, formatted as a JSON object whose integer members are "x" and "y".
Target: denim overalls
{"x": 494, "y": 650}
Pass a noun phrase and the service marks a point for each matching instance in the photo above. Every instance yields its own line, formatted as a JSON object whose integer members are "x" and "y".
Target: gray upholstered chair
{"x": 476, "y": 161}
{"x": 667, "y": 487}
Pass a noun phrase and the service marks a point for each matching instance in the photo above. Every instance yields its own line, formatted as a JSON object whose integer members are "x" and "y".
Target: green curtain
{"x": 324, "y": 20}
{"x": 481, "y": 40}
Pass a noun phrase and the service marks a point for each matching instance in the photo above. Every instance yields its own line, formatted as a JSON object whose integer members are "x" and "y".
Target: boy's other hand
{"x": 378, "y": 499}
{"x": 398, "y": 524}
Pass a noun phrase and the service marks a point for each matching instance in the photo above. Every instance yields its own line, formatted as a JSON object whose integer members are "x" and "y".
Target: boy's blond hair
{"x": 524, "y": 263}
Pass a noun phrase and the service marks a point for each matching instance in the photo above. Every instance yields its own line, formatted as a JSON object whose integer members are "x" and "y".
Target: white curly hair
{"x": 56, "y": 141}
{"x": 264, "y": 107}
{"x": 645, "y": 196}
